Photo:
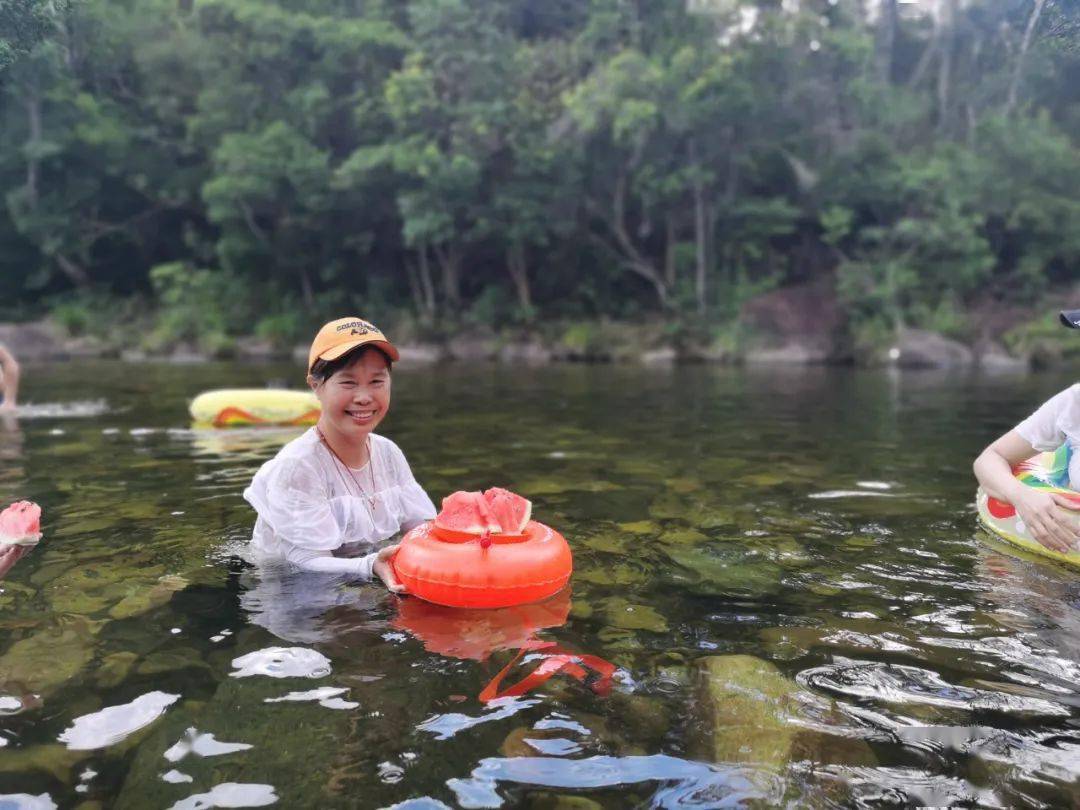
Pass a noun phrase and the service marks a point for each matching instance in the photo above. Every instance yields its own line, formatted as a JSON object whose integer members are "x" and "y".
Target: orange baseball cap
{"x": 340, "y": 336}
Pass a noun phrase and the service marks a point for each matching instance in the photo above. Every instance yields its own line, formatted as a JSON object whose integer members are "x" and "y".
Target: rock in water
{"x": 750, "y": 711}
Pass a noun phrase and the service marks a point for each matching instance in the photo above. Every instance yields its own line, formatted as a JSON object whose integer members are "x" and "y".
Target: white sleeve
{"x": 296, "y": 504}
{"x": 1042, "y": 430}
{"x": 415, "y": 504}
{"x": 327, "y": 563}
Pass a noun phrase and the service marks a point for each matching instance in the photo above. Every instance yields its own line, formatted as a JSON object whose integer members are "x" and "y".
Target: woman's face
{"x": 356, "y": 398}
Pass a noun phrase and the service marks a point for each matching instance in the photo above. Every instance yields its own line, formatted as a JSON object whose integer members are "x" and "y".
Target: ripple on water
{"x": 895, "y": 683}
{"x": 908, "y": 787}
{"x": 445, "y": 726}
{"x": 326, "y": 696}
{"x": 684, "y": 783}
{"x": 78, "y": 409}
{"x": 113, "y": 724}
{"x": 282, "y": 662}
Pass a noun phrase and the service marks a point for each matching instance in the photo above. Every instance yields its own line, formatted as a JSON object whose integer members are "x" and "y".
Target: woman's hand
{"x": 384, "y": 570}
{"x": 1044, "y": 515}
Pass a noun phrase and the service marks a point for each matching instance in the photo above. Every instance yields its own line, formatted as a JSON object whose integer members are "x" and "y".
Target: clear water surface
{"x": 780, "y": 597}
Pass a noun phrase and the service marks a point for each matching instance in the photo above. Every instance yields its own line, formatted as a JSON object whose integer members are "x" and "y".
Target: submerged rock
{"x": 756, "y": 715}
{"x": 620, "y": 574}
{"x": 708, "y": 573}
{"x": 54, "y": 759}
{"x": 620, "y": 613}
{"x": 114, "y": 668}
{"x": 750, "y": 711}
{"x": 51, "y": 656}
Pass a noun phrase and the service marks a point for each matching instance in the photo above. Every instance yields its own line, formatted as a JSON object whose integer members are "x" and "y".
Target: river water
{"x": 780, "y": 596}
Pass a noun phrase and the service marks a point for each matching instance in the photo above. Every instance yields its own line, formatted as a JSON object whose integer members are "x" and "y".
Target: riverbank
{"x": 794, "y": 326}
{"x": 590, "y": 342}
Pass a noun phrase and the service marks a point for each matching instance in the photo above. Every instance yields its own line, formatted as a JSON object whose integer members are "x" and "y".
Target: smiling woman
{"x": 339, "y": 489}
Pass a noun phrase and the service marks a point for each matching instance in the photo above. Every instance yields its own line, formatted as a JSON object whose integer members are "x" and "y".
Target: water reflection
{"x": 230, "y": 794}
{"x": 683, "y": 783}
{"x": 76, "y": 409}
{"x": 25, "y": 801}
{"x": 282, "y": 662}
{"x": 305, "y": 607}
{"x": 111, "y": 725}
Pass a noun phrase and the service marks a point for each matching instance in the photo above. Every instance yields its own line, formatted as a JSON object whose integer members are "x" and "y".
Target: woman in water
{"x": 1056, "y": 422}
{"x": 330, "y": 496}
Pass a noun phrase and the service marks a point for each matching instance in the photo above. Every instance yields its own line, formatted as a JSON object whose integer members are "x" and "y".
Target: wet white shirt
{"x": 1056, "y": 422}
{"x": 318, "y": 514}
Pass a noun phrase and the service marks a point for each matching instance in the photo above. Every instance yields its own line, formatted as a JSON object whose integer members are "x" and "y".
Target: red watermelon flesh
{"x": 20, "y": 524}
{"x": 469, "y": 515}
{"x": 464, "y": 515}
{"x": 511, "y": 511}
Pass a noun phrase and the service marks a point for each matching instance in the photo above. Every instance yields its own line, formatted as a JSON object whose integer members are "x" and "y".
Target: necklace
{"x": 356, "y": 481}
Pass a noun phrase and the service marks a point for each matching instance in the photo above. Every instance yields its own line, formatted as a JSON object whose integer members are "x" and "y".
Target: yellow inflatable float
{"x": 1046, "y": 471}
{"x": 229, "y": 407}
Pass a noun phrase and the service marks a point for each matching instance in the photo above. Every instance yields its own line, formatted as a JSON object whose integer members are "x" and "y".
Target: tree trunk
{"x": 449, "y": 259}
{"x": 519, "y": 274}
{"x": 669, "y": 249}
{"x": 415, "y": 291}
{"x": 427, "y": 286}
{"x": 701, "y": 250}
{"x": 630, "y": 256}
{"x": 33, "y": 113}
{"x": 884, "y": 39}
{"x": 75, "y": 273}
{"x": 1018, "y": 71}
{"x": 306, "y": 290}
{"x": 948, "y": 47}
{"x": 928, "y": 54}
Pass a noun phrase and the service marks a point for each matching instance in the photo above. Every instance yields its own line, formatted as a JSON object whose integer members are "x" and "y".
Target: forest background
{"x": 698, "y": 175}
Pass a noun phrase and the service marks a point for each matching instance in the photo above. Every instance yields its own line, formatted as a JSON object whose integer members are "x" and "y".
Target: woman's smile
{"x": 361, "y": 415}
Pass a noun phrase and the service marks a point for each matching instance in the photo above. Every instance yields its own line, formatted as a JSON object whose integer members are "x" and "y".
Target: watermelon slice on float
{"x": 20, "y": 524}
{"x": 511, "y": 511}
{"x": 469, "y": 516}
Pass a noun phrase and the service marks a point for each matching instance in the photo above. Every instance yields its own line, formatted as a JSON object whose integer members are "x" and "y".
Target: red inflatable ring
{"x": 490, "y": 572}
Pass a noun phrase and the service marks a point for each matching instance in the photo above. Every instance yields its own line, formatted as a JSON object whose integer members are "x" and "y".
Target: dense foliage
{"x": 249, "y": 165}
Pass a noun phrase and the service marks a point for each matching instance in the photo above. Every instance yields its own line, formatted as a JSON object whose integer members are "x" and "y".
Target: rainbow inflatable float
{"x": 1048, "y": 472}
{"x": 230, "y": 407}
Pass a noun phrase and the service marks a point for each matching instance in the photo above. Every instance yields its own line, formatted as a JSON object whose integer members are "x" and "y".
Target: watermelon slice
{"x": 511, "y": 511}
{"x": 464, "y": 516}
{"x": 20, "y": 524}
{"x": 476, "y": 515}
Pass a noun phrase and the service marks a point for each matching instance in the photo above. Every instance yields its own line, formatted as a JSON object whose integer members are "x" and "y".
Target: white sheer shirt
{"x": 317, "y": 513}
{"x": 1056, "y": 422}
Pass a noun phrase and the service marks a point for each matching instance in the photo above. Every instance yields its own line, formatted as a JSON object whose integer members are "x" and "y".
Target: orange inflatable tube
{"x": 489, "y": 572}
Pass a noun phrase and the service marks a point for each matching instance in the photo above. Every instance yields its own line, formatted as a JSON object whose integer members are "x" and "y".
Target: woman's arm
{"x": 9, "y": 379}
{"x": 376, "y": 563}
{"x": 1042, "y": 512}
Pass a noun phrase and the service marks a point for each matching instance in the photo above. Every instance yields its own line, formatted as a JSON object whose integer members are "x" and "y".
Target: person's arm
{"x": 376, "y": 564}
{"x": 9, "y": 379}
{"x": 1042, "y": 512}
